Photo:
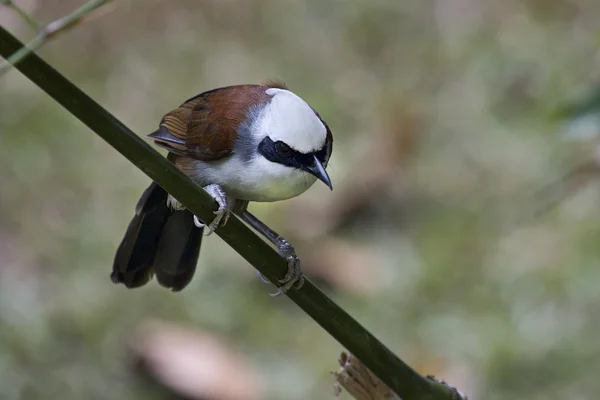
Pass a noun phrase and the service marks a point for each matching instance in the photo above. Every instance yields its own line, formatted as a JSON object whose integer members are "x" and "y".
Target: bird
{"x": 241, "y": 143}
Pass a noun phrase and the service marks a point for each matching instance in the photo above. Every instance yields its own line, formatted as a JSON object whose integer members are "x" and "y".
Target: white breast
{"x": 259, "y": 180}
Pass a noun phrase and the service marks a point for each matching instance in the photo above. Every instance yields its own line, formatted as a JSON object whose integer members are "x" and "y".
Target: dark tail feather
{"x": 158, "y": 241}
{"x": 177, "y": 251}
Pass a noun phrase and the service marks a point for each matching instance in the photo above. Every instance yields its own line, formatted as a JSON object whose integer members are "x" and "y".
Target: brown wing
{"x": 205, "y": 127}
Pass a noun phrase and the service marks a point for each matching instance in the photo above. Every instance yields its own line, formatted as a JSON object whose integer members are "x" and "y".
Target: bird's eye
{"x": 283, "y": 149}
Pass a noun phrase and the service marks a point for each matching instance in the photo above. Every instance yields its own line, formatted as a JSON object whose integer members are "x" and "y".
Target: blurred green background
{"x": 437, "y": 236}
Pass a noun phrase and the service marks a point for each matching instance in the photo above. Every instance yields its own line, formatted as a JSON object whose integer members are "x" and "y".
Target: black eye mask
{"x": 281, "y": 153}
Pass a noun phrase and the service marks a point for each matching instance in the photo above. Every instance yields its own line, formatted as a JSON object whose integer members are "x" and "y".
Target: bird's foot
{"x": 222, "y": 213}
{"x": 174, "y": 204}
{"x": 293, "y": 277}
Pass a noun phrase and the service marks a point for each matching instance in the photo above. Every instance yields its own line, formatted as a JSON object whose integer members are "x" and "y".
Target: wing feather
{"x": 205, "y": 127}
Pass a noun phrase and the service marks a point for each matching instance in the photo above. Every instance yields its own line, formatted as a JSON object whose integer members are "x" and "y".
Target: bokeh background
{"x": 463, "y": 231}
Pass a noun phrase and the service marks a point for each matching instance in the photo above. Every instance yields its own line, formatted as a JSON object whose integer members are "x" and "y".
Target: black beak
{"x": 317, "y": 170}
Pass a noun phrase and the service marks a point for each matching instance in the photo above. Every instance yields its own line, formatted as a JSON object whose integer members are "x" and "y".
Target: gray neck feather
{"x": 246, "y": 143}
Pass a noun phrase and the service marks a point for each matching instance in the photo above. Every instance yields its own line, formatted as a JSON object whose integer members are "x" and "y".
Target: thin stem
{"x": 49, "y": 31}
{"x": 24, "y": 16}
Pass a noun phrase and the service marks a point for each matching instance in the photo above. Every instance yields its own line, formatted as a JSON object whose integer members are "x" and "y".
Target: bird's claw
{"x": 174, "y": 204}
{"x": 293, "y": 278}
{"x": 222, "y": 213}
{"x": 219, "y": 220}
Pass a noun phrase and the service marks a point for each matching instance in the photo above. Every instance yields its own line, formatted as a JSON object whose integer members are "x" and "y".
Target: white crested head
{"x": 290, "y": 119}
